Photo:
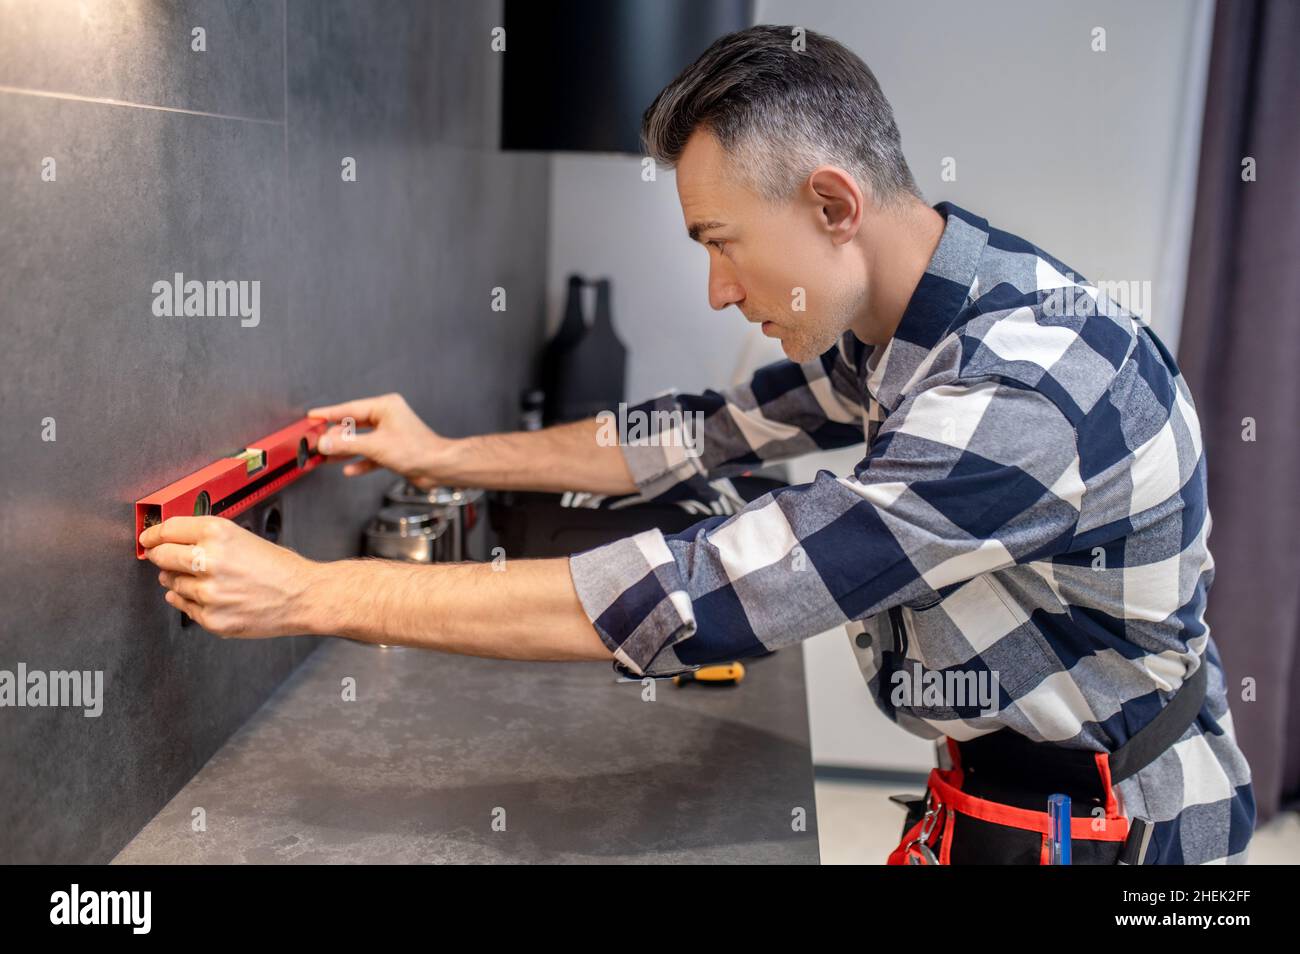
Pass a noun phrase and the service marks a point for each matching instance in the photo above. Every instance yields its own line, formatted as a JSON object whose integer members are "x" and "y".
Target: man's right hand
{"x": 559, "y": 458}
{"x": 397, "y": 439}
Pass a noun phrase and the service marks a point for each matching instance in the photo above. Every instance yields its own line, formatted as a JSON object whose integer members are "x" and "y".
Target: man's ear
{"x": 840, "y": 201}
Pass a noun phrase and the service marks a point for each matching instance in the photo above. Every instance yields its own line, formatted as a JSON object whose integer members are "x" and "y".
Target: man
{"x": 1031, "y": 506}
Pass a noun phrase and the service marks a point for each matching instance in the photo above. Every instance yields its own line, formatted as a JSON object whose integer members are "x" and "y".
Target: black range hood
{"x": 578, "y": 74}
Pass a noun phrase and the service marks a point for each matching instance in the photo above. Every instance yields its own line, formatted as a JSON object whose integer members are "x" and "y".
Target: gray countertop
{"x": 437, "y": 751}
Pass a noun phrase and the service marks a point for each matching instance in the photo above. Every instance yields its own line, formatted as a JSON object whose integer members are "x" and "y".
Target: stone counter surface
{"x": 436, "y": 751}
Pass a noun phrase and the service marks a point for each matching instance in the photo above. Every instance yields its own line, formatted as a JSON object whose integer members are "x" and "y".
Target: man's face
{"x": 777, "y": 263}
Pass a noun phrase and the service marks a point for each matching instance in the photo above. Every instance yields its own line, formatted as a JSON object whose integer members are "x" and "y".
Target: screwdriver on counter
{"x": 723, "y": 674}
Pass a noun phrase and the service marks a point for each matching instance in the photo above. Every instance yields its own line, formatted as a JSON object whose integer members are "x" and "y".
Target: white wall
{"x": 1091, "y": 155}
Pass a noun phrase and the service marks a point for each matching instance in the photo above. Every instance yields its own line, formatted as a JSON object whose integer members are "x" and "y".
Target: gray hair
{"x": 779, "y": 113}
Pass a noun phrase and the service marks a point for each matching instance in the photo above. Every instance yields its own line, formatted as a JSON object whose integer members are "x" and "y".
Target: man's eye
{"x": 716, "y": 243}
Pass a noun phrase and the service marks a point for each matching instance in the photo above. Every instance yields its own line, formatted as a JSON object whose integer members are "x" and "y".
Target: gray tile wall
{"x": 222, "y": 165}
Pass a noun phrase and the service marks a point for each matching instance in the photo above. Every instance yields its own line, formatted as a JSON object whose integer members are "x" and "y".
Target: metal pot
{"x": 411, "y": 533}
{"x": 461, "y": 507}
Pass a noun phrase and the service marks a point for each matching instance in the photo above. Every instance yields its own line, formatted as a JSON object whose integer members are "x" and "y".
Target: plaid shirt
{"x": 1031, "y": 504}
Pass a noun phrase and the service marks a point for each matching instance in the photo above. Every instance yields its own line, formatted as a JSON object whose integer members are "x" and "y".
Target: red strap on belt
{"x": 1082, "y": 828}
{"x": 946, "y": 796}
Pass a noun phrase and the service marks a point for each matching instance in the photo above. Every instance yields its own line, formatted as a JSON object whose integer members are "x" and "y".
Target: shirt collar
{"x": 940, "y": 296}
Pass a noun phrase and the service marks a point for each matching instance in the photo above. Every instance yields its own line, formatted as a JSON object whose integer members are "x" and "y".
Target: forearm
{"x": 558, "y": 458}
{"x": 527, "y": 610}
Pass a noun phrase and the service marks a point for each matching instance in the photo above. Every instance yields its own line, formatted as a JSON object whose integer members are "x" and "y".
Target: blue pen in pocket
{"x": 1058, "y": 830}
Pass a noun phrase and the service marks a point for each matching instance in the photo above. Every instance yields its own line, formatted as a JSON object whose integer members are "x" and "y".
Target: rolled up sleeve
{"x": 633, "y": 592}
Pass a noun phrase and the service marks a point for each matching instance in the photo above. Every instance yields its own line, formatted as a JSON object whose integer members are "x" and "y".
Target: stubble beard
{"x": 815, "y": 334}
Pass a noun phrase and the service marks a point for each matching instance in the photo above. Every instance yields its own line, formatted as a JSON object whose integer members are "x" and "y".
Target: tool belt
{"x": 986, "y": 801}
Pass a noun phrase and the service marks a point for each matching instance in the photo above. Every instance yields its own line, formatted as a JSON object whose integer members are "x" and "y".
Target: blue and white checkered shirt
{"x": 1032, "y": 505}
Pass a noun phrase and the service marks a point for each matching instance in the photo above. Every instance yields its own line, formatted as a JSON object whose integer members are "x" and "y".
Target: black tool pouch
{"x": 985, "y": 801}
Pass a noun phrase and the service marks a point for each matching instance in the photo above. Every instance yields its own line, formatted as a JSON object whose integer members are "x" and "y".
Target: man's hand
{"x": 399, "y": 440}
{"x": 233, "y": 583}
{"x": 228, "y": 580}
{"x": 558, "y": 458}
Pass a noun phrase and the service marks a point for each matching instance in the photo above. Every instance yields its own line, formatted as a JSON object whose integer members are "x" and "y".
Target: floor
{"x": 857, "y": 824}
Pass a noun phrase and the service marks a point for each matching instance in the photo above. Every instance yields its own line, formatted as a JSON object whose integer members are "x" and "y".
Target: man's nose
{"x": 724, "y": 290}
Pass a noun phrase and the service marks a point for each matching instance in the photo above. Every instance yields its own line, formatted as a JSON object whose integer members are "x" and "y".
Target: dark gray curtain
{"x": 1240, "y": 353}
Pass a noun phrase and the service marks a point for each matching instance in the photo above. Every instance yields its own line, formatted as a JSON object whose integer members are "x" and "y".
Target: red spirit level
{"x": 235, "y": 483}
